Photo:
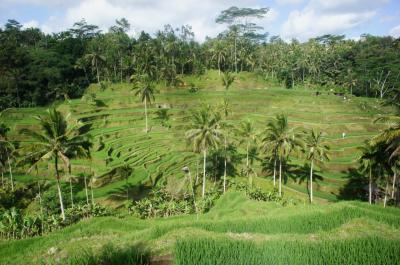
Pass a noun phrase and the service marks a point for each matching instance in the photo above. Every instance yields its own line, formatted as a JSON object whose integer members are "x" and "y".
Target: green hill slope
{"x": 237, "y": 227}
{"x": 116, "y": 121}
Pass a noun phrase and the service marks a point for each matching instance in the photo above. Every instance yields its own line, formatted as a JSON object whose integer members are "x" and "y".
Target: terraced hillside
{"x": 115, "y": 118}
{"x": 235, "y": 231}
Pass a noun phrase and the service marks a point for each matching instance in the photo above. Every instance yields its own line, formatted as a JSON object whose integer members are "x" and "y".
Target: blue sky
{"x": 300, "y": 19}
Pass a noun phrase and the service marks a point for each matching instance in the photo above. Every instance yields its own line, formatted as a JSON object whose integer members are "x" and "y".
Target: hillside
{"x": 114, "y": 117}
{"x": 237, "y": 229}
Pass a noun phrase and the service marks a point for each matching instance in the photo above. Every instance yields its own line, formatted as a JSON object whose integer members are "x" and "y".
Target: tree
{"x": 58, "y": 140}
{"x": 125, "y": 171}
{"x": 146, "y": 94}
{"x": 225, "y": 108}
{"x": 316, "y": 152}
{"x": 239, "y": 20}
{"x": 6, "y": 152}
{"x": 247, "y": 135}
{"x": 367, "y": 162}
{"x": 283, "y": 141}
{"x": 204, "y": 133}
{"x": 227, "y": 80}
{"x": 95, "y": 58}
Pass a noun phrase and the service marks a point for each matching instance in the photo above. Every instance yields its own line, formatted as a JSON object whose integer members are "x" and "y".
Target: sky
{"x": 300, "y": 19}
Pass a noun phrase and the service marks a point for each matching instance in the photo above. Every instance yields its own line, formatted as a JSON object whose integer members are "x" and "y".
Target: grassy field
{"x": 236, "y": 230}
{"x": 116, "y": 121}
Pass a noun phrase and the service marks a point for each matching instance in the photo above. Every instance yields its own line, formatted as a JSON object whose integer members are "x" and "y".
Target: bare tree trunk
{"x": 41, "y": 208}
{"x": 204, "y": 172}
{"x": 225, "y": 167}
{"x": 197, "y": 171}
{"x": 97, "y": 72}
{"x": 386, "y": 192}
{"x": 145, "y": 112}
{"x": 86, "y": 190}
{"x": 280, "y": 177}
{"x": 247, "y": 160}
{"x": 70, "y": 189}
{"x": 219, "y": 66}
{"x": 394, "y": 184}
{"x": 274, "y": 172}
{"x": 59, "y": 190}
{"x": 311, "y": 181}
{"x": 370, "y": 185}
{"x": 11, "y": 175}
{"x": 91, "y": 189}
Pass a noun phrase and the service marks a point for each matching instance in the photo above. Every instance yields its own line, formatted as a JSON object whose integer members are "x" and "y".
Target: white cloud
{"x": 30, "y": 24}
{"x": 320, "y": 17}
{"x": 289, "y": 2}
{"x": 152, "y": 15}
{"x": 395, "y": 32}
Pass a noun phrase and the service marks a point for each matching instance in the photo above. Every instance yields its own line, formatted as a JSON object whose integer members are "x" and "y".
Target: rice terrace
{"x": 164, "y": 146}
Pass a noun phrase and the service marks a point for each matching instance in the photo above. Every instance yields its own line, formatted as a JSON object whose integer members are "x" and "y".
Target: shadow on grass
{"x": 109, "y": 254}
{"x": 356, "y": 186}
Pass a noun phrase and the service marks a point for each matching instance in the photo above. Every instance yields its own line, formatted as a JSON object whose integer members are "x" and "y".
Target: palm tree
{"x": 227, "y": 80}
{"x": 219, "y": 53}
{"x": 95, "y": 58}
{"x": 316, "y": 152}
{"x": 367, "y": 161}
{"x": 146, "y": 94}
{"x": 247, "y": 135}
{"x": 204, "y": 133}
{"x": 225, "y": 108}
{"x": 57, "y": 140}
{"x": 6, "y": 149}
{"x": 283, "y": 141}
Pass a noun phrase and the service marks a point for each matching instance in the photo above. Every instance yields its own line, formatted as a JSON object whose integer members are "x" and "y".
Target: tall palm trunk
{"x": 145, "y": 112}
{"x": 59, "y": 189}
{"x": 11, "y": 175}
{"x": 370, "y": 186}
{"x": 71, "y": 192}
{"x": 91, "y": 189}
{"x": 97, "y": 73}
{"x": 311, "y": 181}
{"x": 225, "y": 166}
{"x": 247, "y": 160}
{"x": 86, "y": 190}
{"x": 219, "y": 65}
{"x": 394, "y": 184}
{"x": 236, "y": 69}
{"x": 70, "y": 186}
{"x": 204, "y": 173}
{"x": 274, "y": 172}
{"x": 41, "y": 207}
{"x": 386, "y": 192}
{"x": 280, "y": 177}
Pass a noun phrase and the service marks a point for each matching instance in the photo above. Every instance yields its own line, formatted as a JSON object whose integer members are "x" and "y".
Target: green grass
{"x": 360, "y": 251}
{"x": 120, "y": 123}
{"x": 236, "y": 228}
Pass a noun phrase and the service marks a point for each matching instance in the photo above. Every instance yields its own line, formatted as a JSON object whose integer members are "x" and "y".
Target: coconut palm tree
{"x": 146, "y": 94}
{"x": 7, "y": 149}
{"x": 58, "y": 141}
{"x": 95, "y": 58}
{"x": 225, "y": 109}
{"x": 204, "y": 133}
{"x": 283, "y": 141}
{"x": 367, "y": 161}
{"x": 247, "y": 135}
{"x": 316, "y": 152}
{"x": 227, "y": 80}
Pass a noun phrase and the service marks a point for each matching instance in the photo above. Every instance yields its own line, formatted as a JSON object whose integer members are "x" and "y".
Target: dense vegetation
{"x": 235, "y": 141}
{"x": 37, "y": 68}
